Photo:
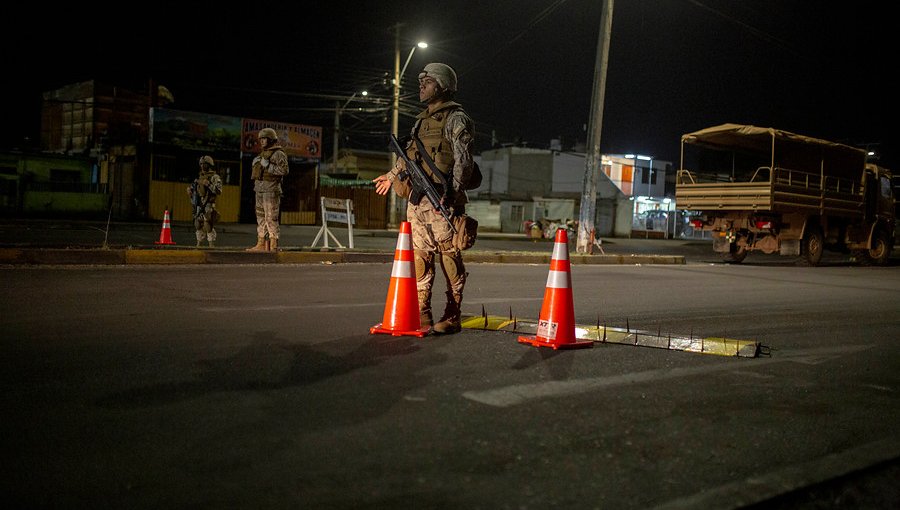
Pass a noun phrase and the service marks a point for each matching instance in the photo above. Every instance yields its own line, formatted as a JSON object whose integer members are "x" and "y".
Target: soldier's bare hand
{"x": 382, "y": 184}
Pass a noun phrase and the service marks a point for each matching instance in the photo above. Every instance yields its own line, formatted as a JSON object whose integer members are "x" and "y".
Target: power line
{"x": 534, "y": 22}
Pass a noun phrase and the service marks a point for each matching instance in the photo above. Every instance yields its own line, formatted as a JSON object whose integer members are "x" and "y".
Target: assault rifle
{"x": 422, "y": 185}
{"x": 196, "y": 200}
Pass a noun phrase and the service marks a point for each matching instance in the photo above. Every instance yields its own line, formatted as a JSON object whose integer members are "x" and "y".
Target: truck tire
{"x": 878, "y": 254}
{"x": 736, "y": 253}
{"x": 813, "y": 245}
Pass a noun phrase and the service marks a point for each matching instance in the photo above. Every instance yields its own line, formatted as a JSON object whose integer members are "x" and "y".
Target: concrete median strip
{"x": 100, "y": 256}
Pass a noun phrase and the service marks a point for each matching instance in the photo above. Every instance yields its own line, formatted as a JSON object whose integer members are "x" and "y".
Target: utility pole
{"x": 337, "y": 136}
{"x": 592, "y": 161}
{"x": 395, "y": 120}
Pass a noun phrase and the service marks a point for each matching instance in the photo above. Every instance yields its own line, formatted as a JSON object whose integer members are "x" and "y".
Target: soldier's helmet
{"x": 443, "y": 74}
{"x": 268, "y": 133}
{"x": 208, "y": 160}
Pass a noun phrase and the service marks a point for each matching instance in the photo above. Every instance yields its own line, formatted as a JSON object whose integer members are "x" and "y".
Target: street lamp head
{"x": 421, "y": 44}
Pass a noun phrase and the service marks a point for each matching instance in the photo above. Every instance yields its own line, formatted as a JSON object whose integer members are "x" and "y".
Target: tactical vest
{"x": 430, "y": 129}
{"x": 268, "y": 152}
{"x": 259, "y": 173}
{"x": 208, "y": 198}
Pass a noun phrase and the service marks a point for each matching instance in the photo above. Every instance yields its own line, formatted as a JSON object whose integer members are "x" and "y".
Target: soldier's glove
{"x": 263, "y": 162}
{"x": 256, "y": 160}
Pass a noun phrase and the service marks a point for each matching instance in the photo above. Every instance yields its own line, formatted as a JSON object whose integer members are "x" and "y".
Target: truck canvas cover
{"x": 841, "y": 160}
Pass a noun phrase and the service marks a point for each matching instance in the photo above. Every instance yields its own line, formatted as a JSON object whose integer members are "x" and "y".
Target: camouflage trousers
{"x": 432, "y": 238}
{"x": 205, "y": 224}
{"x": 268, "y": 212}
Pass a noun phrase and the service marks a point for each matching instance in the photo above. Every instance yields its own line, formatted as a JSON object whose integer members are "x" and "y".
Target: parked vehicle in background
{"x": 653, "y": 219}
{"x": 767, "y": 189}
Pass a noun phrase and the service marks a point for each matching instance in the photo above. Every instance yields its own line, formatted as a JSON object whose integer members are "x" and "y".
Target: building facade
{"x": 114, "y": 152}
{"x": 526, "y": 185}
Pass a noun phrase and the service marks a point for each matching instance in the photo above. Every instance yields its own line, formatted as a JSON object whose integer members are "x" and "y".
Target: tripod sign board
{"x": 344, "y": 215}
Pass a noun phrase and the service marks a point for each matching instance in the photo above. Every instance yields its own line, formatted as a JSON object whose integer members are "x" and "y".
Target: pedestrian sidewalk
{"x": 93, "y": 242}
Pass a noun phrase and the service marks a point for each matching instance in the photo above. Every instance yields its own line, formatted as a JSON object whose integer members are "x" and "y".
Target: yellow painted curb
{"x": 164, "y": 257}
{"x": 12, "y": 256}
{"x": 305, "y": 257}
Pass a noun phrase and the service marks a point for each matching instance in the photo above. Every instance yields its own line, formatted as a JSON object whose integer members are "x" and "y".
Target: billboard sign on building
{"x": 202, "y": 131}
{"x": 296, "y": 139}
{"x": 193, "y": 130}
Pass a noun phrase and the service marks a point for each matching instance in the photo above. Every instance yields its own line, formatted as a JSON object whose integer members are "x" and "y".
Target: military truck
{"x": 757, "y": 188}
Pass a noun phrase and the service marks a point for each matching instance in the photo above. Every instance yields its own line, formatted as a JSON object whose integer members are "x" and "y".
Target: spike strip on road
{"x": 599, "y": 334}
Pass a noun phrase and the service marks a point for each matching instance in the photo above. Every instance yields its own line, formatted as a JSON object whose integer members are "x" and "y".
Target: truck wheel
{"x": 736, "y": 253}
{"x": 813, "y": 245}
{"x": 878, "y": 254}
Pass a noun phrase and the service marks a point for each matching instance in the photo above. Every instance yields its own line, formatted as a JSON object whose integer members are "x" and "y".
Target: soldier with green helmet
{"x": 269, "y": 169}
{"x": 203, "y": 192}
{"x": 448, "y": 135}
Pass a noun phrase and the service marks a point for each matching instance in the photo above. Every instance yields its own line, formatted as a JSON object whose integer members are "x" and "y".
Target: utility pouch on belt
{"x": 401, "y": 187}
{"x": 466, "y": 231}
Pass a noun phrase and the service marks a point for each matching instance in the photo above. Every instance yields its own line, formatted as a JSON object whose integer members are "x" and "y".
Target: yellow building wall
{"x": 173, "y": 196}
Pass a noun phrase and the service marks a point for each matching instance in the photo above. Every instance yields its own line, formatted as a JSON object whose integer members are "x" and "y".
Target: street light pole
{"x": 338, "y": 110}
{"x": 395, "y": 117}
{"x": 395, "y": 113}
{"x": 420, "y": 44}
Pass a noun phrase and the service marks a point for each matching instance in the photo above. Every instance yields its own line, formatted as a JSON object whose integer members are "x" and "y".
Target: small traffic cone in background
{"x": 165, "y": 236}
{"x": 556, "y": 326}
{"x": 401, "y": 309}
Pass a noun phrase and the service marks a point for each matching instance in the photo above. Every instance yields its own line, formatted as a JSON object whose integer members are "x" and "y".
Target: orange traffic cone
{"x": 401, "y": 310}
{"x": 165, "y": 236}
{"x": 556, "y": 326}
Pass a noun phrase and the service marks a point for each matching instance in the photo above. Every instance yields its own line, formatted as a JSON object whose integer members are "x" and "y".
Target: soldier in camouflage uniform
{"x": 269, "y": 168}
{"x": 203, "y": 192}
{"x": 447, "y": 133}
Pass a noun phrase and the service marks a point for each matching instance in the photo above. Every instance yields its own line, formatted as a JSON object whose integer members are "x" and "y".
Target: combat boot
{"x": 260, "y": 245}
{"x": 451, "y": 321}
{"x": 273, "y": 244}
{"x": 425, "y": 318}
{"x": 198, "y": 243}
{"x": 212, "y": 244}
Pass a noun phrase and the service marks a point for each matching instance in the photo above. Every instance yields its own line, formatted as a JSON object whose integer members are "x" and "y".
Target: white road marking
{"x": 521, "y": 393}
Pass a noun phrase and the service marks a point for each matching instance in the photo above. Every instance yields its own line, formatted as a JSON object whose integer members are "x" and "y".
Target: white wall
{"x": 568, "y": 172}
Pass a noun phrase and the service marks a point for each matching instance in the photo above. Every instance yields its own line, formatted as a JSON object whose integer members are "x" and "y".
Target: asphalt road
{"x": 260, "y": 386}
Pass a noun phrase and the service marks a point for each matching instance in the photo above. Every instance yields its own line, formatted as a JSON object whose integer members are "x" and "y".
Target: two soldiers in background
{"x": 269, "y": 168}
{"x": 203, "y": 192}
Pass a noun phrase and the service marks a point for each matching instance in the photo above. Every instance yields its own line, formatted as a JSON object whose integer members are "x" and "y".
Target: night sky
{"x": 525, "y": 67}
